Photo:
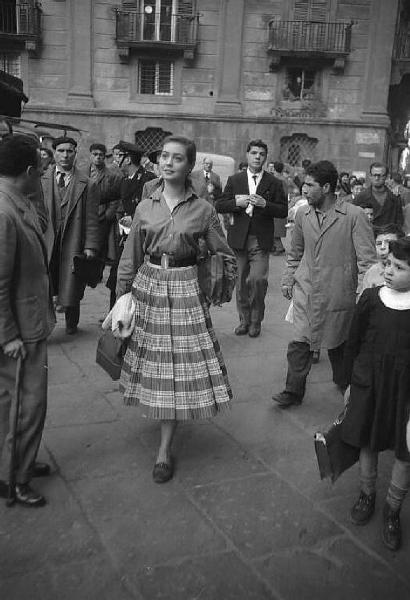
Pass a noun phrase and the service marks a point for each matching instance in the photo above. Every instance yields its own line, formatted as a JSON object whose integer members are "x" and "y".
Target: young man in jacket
{"x": 331, "y": 249}
{"x": 253, "y": 198}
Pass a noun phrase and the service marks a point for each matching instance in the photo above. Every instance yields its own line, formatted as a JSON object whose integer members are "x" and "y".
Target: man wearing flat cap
{"x": 135, "y": 177}
{"x": 72, "y": 202}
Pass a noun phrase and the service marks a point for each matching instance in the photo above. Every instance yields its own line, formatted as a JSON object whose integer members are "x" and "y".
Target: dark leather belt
{"x": 168, "y": 261}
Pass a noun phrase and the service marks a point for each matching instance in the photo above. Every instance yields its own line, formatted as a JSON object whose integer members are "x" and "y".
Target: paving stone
{"x": 35, "y": 539}
{"x": 145, "y": 524}
{"x": 92, "y": 579}
{"x": 340, "y": 571}
{"x": 203, "y": 578}
{"x": 205, "y": 454}
{"x": 96, "y": 450}
{"x": 261, "y": 513}
{"x": 338, "y": 508}
{"x": 77, "y": 406}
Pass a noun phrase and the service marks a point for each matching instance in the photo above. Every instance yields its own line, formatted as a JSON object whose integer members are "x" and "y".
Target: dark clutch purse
{"x": 88, "y": 270}
{"x": 110, "y": 354}
{"x": 333, "y": 455}
{"x": 216, "y": 278}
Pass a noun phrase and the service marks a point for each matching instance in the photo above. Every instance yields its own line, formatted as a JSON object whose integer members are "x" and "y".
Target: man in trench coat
{"x": 73, "y": 228}
{"x": 332, "y": 247}
{"x": 26, "y": 316}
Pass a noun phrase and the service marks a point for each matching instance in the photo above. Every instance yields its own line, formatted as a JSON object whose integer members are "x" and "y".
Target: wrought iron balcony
{"x": 309, "y": 39}
{"x": 176, "y": 34}
{"x": 402, "y": 43}
{"x": 20, "y": 23}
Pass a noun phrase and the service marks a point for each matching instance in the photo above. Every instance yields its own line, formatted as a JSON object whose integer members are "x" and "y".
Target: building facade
{"x": 313, "y": 78}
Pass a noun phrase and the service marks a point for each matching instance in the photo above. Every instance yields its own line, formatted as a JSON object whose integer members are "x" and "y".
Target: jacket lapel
{"x": 74, "y": 192}
{"x": 332, "y": 216}
{"x": 244, "y": 182}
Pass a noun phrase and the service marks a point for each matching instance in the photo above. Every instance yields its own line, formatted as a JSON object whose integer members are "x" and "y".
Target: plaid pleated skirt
{"x": 173, "y": 367}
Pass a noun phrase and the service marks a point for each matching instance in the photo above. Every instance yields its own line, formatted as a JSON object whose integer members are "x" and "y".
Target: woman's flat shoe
{"x": 163, "y": 472}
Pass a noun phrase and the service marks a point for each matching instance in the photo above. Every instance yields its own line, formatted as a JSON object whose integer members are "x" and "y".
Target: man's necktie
{"x": 61, "y": 180}
{"x": 255, "y": 177}
{"x": 207, "y": 176}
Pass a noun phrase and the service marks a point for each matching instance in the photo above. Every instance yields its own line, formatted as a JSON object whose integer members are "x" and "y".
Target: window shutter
{"x": 185, "y": 7}
{"x": 301, "y": 10}
{"x": 310, "y": 10}
{"x": 318, "y": 10}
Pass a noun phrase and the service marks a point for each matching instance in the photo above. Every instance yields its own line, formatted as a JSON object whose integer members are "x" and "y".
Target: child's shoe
{"x": 391, "y": 533}
{"x": 362, "y": 511}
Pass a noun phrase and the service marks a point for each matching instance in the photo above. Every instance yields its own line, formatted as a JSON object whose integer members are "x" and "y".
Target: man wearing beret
{"x": 72, "y": 202}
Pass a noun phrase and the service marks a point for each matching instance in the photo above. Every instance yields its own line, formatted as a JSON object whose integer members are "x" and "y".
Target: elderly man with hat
{"x": 72, "y": 202}
{"x": 135, "y": 176}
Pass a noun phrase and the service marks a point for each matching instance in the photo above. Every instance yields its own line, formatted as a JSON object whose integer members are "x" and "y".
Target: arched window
{"x": 151, "y": 138}
{"x": 295, "y": 148}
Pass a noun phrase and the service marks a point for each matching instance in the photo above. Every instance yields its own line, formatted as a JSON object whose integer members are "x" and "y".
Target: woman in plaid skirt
{"x": 173, "y": 367}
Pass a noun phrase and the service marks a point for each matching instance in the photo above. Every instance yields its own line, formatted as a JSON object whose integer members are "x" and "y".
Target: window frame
{"x": 135, "y": 94}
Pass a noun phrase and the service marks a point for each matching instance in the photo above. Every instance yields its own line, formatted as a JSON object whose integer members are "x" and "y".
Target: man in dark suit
{"x": 26, "y": 316}
{"x": 135, "y": 177}
{"x": 253, "y": 198}
{"x": 206, "y": 183}
{"x": 72, "y": 203}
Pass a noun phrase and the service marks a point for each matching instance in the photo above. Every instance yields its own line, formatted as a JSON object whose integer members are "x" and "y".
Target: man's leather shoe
{"x": 242, "y": 329}
{"x": 254, "y": 331}
{"x": 362, "y": 511}
{"x": 40, "y": 470}
{"x": 71, "y": 330}
{"x": 286, "y": 399}
{"x": 24, "y": 495}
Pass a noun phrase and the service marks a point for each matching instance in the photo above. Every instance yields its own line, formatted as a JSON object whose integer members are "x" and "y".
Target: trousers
{"x": 252, "y": 283}
{"x": 300, "y": 358}
{"x": 33, "y": 407}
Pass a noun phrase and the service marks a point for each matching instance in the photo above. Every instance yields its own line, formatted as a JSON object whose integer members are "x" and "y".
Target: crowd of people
{"x": 346, "y": 276}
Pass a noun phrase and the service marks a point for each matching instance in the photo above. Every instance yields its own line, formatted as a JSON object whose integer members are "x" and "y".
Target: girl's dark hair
{"x": 401, "y": 249}
{"x": 189, "y": 145}
{"x": 390, "y": 228}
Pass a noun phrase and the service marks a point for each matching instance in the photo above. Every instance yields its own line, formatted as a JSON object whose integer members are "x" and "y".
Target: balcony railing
{"x": 314, "y": 37}
{"x": 21, "y": 22}
{"x": 402, "y": 43}
{"x": 177, "y": 33}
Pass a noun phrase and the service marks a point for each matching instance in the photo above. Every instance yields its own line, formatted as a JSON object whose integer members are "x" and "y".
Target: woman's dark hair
{"x": 323, "y": 172}
{"x": 189, "y": 145}
{"x": 386, "y": 229}
{"x": 47, "y": 151}
{"x": 401, "y": 249}
{"x": 258, "y": 144}
{"x": 17, "y": 153}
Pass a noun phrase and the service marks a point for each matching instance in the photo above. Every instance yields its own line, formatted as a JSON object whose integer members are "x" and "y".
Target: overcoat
{"x": 80, "y": 230}
{"x": 325, "y": 266}
{"x": 25, "y": 302}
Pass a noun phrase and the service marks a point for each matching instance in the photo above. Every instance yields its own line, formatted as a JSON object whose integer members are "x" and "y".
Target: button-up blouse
{"x": 157, "y": 230}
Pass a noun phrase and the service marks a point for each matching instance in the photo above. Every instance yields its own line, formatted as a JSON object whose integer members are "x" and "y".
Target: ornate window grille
{"x": 295, "y": 148}
{"x": 151, "y": 138}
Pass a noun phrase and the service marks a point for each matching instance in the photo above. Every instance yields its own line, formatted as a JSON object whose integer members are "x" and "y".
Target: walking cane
{"x": 11, "y": 497}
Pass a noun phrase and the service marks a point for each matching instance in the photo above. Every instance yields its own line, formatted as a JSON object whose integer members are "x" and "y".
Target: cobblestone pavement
{"x": 246, "y": 516}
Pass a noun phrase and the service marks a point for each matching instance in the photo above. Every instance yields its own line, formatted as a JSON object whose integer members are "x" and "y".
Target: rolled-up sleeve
{"x": 132, "y": 257}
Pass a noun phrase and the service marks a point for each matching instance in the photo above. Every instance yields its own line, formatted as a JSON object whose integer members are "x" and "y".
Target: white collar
{"x": 258, "y": 175}
{"x": 393, "y": 299}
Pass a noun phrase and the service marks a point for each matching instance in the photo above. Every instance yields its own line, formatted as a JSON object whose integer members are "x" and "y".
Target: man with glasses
{"x": 387, "y": 208}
